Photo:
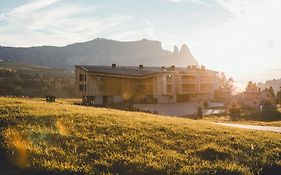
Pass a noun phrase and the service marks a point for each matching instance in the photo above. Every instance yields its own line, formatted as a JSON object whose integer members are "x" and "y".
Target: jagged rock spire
{"x": 176, "y": 50}
{"x": 186, "y": 54}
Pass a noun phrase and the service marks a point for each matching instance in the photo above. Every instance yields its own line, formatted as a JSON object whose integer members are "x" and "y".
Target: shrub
{"x": 269, "y": 115}
{"x": 265, "y": 115}
{"x": 199, "y": 112}
{"x": 234, "y": 110}
{"x": 206, "y": 104}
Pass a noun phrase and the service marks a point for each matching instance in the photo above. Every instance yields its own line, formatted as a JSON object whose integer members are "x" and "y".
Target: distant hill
{"x": 18, "y": 79}
{"x": 100, "y": 52}
{"x": 34, "y": 69}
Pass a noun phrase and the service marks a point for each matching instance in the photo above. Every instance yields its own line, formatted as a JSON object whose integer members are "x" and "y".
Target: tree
{"x": 234, "y": 110}
{"x": 252, "y": 87}
{"x": 199, "y": 112}
{"x": 271, "y": 91}
{"x": 225, "y": 83}
{"x": 206, "y": 104}
{"x": 278, "y": 97}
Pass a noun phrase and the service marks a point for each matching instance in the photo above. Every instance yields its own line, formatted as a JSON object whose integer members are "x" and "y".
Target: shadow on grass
{"x": 212, "y": 154}
{"x": 7, "y": 167}
{"x": 271, "y": 169}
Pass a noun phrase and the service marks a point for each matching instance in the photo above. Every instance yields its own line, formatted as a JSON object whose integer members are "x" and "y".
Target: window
{"x": 82, "y": 77}
{"x": 83, "y": 88}
{"x": 188, "y": 88}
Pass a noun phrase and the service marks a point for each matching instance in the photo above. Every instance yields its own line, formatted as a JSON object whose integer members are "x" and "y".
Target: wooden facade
{"x": 111, "y": 84}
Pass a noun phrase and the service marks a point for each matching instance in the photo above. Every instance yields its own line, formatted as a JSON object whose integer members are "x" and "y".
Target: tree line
{"x": 32, "y": 84}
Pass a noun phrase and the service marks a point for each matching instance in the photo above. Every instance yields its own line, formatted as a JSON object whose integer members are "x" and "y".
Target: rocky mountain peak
{"x": 176, "y": 50}
{"x": 101, "y": 51}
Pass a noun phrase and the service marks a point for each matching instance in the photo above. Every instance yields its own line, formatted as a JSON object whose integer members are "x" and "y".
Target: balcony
{"x": 206, "y": 90}
{"x": 188, "y": 79}
{"x": 206, "y": 80}
{"x": 188, "y": 89}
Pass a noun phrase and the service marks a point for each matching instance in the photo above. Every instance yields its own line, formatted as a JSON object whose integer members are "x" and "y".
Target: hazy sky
{"x": 239, "y": 37}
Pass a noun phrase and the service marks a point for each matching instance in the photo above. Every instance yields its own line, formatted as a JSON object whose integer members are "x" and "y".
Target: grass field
{"x": 61, "y": 138}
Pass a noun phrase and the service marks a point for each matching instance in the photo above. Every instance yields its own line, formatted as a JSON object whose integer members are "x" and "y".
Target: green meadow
{"x": 62, "y": 138}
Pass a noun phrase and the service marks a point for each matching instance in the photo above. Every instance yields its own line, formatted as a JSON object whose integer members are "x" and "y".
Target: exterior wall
{"x": 168, "y": 87}
{"x": 98, "y": 99}
{"x": 208, "y": 85}
{"x": 185, "y": 86}
{"x": 110, "y": 89}
{"x": 79, "y": 72}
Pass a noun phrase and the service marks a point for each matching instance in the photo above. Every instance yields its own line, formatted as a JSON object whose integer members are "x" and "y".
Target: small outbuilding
{"x": 50, "y": 98}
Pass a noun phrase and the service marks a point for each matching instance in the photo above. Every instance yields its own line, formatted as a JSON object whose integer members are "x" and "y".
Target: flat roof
{"x": 135, "y": 71}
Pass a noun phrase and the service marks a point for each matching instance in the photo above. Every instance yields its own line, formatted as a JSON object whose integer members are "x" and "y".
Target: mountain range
{"x": 100, "y": 52}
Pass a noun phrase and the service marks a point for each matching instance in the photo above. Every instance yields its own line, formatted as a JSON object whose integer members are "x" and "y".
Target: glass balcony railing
{"x": 188, "y": 80}
{"x": 188, "y": 89}
{"x": 206, "y": 80}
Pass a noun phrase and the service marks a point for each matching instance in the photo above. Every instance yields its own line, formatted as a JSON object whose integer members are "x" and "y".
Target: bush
{"x": 199, "y": 112}
{"x": 269, "y": 115}
{"x": 265, "y": 115}
{"x": 234, "y": 110}
{"x": 206, "y": 104}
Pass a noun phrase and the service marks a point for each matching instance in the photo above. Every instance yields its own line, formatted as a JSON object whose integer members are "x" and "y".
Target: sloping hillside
{"x": 61, "y": 138}
{"x": 35, "y": 69}
{"x": 35, "y": 81}
{"x": 100, "y": 52}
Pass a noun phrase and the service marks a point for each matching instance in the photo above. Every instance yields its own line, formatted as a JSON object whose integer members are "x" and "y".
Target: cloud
{"x": 54, "y": 23}
{"x": 33, "y": 6}
{"x": 234, "y": 36}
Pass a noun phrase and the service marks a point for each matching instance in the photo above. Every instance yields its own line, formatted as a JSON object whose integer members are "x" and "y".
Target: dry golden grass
{"x": 64, "y": 138}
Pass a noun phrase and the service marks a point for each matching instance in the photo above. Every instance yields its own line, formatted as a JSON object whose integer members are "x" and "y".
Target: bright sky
{"x": 239, "y": 37}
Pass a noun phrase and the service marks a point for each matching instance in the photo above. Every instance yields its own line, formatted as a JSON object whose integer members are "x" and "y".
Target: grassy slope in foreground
{"x": 64, "y": 138}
